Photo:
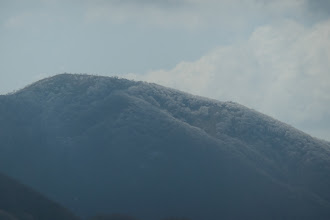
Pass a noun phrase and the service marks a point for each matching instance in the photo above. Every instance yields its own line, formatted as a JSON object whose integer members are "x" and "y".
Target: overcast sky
{"x": 273, "y": 56}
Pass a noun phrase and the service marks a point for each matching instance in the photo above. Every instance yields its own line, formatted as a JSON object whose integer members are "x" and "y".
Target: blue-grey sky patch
{"x": 319, "y": 6}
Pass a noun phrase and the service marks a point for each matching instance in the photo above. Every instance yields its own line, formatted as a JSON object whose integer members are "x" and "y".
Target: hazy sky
{"x": 273, "y": 56}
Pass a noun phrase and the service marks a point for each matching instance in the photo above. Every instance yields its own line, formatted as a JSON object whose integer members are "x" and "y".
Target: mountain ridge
{"x": 157, "y": 127}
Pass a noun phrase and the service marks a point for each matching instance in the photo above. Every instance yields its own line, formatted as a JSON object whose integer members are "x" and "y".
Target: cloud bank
{"x": 281, "y": 70}
{"x": 193, "y": 14}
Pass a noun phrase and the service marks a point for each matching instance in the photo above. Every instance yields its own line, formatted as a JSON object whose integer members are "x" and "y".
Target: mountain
{"x": 108, "y": 145}
{"x": 19, "y": 202}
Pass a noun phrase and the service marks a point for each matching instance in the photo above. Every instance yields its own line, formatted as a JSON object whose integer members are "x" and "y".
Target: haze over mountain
{"x": 102, "y": 145}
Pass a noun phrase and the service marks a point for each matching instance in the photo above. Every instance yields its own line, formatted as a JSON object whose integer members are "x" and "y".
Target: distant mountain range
{"x": 107, "y": 145}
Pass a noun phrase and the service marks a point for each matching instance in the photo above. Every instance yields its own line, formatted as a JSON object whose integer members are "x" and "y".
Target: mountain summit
{"x": 102, "y": 144}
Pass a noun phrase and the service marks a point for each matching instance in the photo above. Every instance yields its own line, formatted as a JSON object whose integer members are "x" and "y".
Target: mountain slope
{"x": 100, "y": 144}
{"x": 18, "y": 202}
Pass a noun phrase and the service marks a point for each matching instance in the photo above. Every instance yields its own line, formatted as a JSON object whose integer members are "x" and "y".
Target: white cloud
{"x": 143, "y": 14}
{"x": 281, "y": 70}
{"x": 229, "y": 14}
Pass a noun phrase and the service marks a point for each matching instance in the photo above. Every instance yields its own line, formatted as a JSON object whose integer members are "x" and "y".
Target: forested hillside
{"x": 18, "y": 202}
{"x": 108, "y": 145}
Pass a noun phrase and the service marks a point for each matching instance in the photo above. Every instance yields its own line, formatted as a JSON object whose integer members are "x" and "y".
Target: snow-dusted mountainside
{"x": 100, "y": 144}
